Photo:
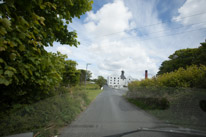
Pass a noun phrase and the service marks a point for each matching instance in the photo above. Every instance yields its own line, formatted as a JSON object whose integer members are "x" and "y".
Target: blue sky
{"x": 134, "y": 35}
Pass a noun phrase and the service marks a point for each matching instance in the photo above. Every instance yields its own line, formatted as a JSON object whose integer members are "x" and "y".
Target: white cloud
{"x": 111, "y": 44}
{"x": 114, "y": 52}
{"x": 112, "y": 17}
{"x": 192, "y": 7}
{"x": 64, "y": 50}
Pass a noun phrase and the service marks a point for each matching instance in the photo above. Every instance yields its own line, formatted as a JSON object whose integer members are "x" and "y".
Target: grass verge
{"x": 184, "y": 108}
{"x": 92, "y": 94}
{"x": 45, "y": 117}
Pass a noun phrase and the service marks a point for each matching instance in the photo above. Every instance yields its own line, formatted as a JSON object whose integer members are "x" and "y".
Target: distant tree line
{"x": 101, "y": 81}
{"x": 184, "y": 58}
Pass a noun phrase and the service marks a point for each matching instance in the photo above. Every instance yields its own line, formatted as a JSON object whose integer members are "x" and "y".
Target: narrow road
{"x": 110, "y": 115}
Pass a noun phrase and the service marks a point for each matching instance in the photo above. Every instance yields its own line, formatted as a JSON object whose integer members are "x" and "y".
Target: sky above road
{"x": 134, "y": 35}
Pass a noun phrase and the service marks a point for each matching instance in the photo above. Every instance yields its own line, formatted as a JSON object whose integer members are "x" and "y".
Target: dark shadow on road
{"x": 123, "y": 134}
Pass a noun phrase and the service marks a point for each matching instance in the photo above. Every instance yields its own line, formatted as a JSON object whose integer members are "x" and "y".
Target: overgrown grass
{"x": 184, "y": 108}
{"x": 150, "y": 103}
{"x": 92, "y": 94}
{"x": 45, "y": 117}
{"x": 91, "y": 90}
{"x": 183, "y": 89}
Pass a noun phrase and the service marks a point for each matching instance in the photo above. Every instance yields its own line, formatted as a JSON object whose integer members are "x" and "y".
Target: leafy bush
{"x": 27, "y": 71}
{"x": 51, "y": 112}
{"x": 101, "y": 81}
{"x": 150, "y": 103}
{"x": 191, "y": 77}
{"x": 56, "y": 71}
{"x": 45, "y": 116}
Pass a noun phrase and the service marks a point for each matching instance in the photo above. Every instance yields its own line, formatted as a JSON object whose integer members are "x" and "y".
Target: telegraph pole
{"x": 86, "y": 74}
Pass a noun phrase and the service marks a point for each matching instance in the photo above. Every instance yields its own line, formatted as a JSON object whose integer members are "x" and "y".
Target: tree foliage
{"x": 89, "y": 75}
{"x": 27, "y": 70}
{"x": 84, "y": 74}
{"x": 192, "y": 77}
{"x": 71, "y": 75}
{"x": 183, "y": 58}
{"x": 101, "y": 81}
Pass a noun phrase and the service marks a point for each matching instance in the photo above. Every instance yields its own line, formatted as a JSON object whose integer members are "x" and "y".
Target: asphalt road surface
{"x": 110, "y": 115}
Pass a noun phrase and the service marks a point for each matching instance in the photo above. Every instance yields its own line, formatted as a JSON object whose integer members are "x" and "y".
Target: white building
{"x": 116, "y": 81}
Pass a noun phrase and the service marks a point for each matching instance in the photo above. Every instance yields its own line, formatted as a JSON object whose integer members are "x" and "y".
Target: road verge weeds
{"x": 45, "y": 117}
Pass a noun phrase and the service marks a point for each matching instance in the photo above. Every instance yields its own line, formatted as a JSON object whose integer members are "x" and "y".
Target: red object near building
{"x": 146, "y": 74}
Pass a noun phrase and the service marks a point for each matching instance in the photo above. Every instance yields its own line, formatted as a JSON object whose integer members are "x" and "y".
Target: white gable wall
{"x": 116, "y": 82}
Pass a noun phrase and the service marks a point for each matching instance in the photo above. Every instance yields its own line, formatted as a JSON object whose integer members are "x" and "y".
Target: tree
{"x": 201, "y": 55}
{"x": 183, "y": 58}
{"x": 101, "y": 81}
{"x": 27, "y": 70}
{"x": 71, "y": 75}
{"x": 28, "y": 26}
{"x": 83, "y": 74}
{"x": 89, "y": 75}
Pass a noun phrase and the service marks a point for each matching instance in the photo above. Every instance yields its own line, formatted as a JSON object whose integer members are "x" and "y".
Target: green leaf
{"x": 23, "y": 21}
{"x": 6, "y": 23}
{"x": 21, "y": 47}
{"x": 2, "y": 49}
{"x": 12, "y": 69}
{"x": 4, "y": 81}
{"x": 12, "y": 44}
{"x": 30, "y": 72}
{"x": 42, "y": 6}
{"x": 41, "y": 20}
{"x": 1, "y": 60}
{"x": 12, "y": 56}
{"x": 2, "y": 30}
{"x": 37, "y": 74}
{"x": 9, "y": 73}
{"x": 22, "y": 36}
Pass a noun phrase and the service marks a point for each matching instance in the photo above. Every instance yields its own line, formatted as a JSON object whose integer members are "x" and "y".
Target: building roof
{"x": 114, "y": 75}
{"x": 122, "y": 75}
